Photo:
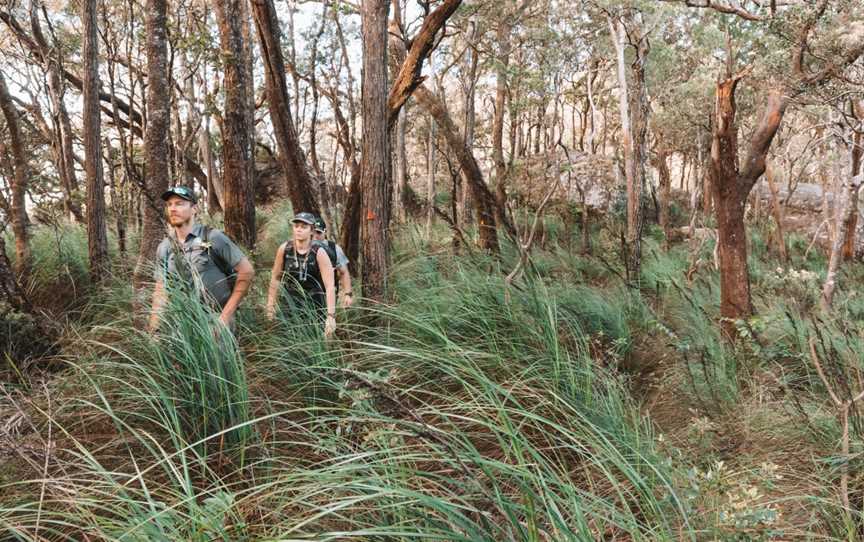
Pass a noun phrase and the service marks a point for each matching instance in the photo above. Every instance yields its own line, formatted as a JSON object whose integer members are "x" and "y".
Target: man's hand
{"x": 226, "y": 317}
{"x": 159, "y": 300}
{"x": 329, "y": 326}
{"x": 347, "y": 300}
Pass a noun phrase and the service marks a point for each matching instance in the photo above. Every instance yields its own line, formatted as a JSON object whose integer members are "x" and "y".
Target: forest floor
{"x": 469, "y": 416}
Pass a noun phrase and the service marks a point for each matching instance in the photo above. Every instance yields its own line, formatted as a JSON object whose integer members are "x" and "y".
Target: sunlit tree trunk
{"x": 237, "y": 141}
{"x": 155, "y": 139}
{"x": 20, "y": 178}
{"x": 375, "y": 174}
{"x": 97, "y": 235}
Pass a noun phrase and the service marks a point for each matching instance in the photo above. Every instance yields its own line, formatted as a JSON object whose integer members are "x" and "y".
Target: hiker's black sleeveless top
{"x": 301, "y": 277}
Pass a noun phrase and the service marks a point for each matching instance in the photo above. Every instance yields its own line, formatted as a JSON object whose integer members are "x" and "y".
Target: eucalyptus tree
{"x": 97, "y": 234}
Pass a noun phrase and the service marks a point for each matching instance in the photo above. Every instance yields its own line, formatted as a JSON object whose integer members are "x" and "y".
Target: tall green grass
{"x": 466, "y": 412}
{"x": 462, "y": 415}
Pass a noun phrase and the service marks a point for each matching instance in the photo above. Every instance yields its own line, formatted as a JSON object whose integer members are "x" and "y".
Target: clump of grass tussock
{"x": 462, "y": 415}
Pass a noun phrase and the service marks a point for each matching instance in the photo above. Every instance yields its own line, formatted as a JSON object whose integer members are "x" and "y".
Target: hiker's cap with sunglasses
{"x": 182, "y": 192}
{"x": 306, "y": 218}
{"x": 320, "y": 226}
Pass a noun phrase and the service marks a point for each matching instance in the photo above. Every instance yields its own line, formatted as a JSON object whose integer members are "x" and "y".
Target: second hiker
{"x": 303, "y": 274}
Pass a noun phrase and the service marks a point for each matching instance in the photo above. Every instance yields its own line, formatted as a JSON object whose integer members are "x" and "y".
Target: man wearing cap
{"x": 220, "y": 271}
{"x": 338, "y": 259}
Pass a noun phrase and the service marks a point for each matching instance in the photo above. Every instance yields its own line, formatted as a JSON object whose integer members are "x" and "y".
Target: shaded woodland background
{"x": 612, "y": 220}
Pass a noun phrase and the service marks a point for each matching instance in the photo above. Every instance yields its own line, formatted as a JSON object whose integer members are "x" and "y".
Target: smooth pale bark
{"x": 401, "y": 163}
{"x": 846, "y": 201}
{"x": 777, "y": 213}
{"x": 430, "y": 180}
{"x": 633, "y": 110}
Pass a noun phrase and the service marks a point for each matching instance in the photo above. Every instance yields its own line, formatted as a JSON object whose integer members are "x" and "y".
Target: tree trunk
{"x": 857, "y": 152}
{"x": 484, "y": 201}
{"x": 117, "y": 207}
{"x": 844, "y": 200}
{"x": 63, "y": 127}
{"x": 20, "y": 177}
{"x": 352, "y": 218}
{"x": 665, "y": 189}
{"x": 731, "y": 188}
{"x": 155, "y": 139}
{"x": 408, "y": 76}
{"x": 471, "y": 71}
{"x": 634, "y": 122}
{"x": 97, "y": 235}
{"x": 502, "y": 62}
{"x": 430, "y": 181}
{"x": 237, "y": 156}
{"x": 777, "y": 213}
{"x": 301, "y": 187}
{"x": 375, "y": 178}
{"x": 214, "y": 182}
{"x": 401, "y": 168}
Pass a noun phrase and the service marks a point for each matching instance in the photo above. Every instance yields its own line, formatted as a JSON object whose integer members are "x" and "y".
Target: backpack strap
{"x": 216, "y": 258}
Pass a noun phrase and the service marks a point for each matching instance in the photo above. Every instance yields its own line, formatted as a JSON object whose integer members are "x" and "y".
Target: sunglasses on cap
{"x": 181, "y": 192}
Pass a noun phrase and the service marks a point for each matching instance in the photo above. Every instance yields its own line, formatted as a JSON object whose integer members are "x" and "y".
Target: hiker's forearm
{"x": 241, "y": 287}
{"x": 156, "y": 306}
{"x": 344, "y": 279}
{"x": 272, "y": 295}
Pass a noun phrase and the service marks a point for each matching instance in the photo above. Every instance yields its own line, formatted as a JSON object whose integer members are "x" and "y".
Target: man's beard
{"x": 177, "y": 222}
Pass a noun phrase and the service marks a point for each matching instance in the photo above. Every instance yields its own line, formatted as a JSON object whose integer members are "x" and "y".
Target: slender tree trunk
{"x": 472, "y": 63}
{"x": 214, "y": 181}
{"x": 20, "y": 178}
{"x": 375, "y": 175}
{"x": 634, "y": 121}
{"x": 97, "y": 235}
{"x": 301, "y": 187}
{"x": 777, "y": 213}
{"x": 116, "y": 205}
{"x": 484, "y": 201}
{"x": 51, "y": 59}
{"x": 155, "y": 140}
{"x": 665, "y": 189}
{"x": 352, "y": 219}
{"x": 248, "y": 64}
{"x": 430, "y": 180}
{"x": 844, "y": 200}
{"x": 857, "y": 153}
{"x": 401, "y": 168}
{"x": 503, "y": 62}
{"x": 237, "y": 152}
